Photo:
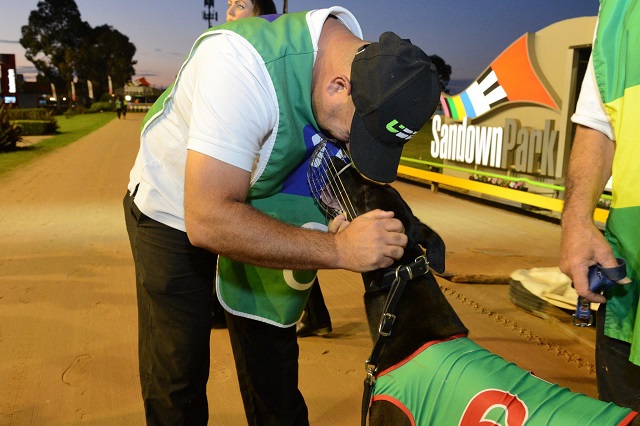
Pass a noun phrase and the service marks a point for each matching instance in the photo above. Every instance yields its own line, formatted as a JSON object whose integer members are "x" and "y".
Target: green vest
{"x": 279, "y": 189}
{"x": 456, "y": 382}
{"x": 616, "y": 61}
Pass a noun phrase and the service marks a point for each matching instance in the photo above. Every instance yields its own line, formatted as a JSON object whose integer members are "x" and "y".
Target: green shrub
{"x": 75, "y": 110}
{"x": 34, "y": 121}
{"x": 101, "y": 107}
{"x": 10, "y": 134}
{"x": 37, "y": 127}
{"x": 29, "y": 114}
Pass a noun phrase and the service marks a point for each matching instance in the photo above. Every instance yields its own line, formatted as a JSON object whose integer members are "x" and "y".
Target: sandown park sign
{"x": 510, "y": 78}
{"x": 514, "y": 119}
{"x": 512, "y": 147}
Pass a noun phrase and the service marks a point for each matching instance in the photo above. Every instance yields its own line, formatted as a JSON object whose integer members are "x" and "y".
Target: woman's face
{"x": 238, "y": 9}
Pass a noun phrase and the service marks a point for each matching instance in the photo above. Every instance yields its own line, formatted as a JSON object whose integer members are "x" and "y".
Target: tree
{"x": 108, "y": 52}
{"x": 53, "y": 38}
{"x": 444, "y": 71}
{"x": 64, "y": 48}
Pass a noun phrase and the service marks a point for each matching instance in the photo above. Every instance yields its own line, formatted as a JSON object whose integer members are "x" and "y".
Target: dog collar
{"x": 419, "y": 267}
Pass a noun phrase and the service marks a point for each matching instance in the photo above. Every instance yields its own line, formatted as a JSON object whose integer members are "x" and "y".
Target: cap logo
{"x": 399, "y": 130}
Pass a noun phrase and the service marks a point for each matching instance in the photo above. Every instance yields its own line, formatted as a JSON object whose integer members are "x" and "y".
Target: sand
{"x": 68, "y": 326}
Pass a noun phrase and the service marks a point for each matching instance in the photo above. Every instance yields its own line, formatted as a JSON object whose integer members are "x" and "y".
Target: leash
{"x": 397, "y": 279}
{"x": 600, "y": 279}
{"x": 416, "y": 269}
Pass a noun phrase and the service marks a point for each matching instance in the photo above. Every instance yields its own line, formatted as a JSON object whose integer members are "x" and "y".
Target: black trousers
{"x": 174, "y": 286}
{"x": 267, "y": 365}
{"x": 618, "y": 379}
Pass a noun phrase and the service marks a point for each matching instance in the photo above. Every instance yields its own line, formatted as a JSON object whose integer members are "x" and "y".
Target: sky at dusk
{"x": 467, "y": 34}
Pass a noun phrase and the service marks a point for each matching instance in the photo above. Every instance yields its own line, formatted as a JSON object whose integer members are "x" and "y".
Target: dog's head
{"x": 365, "y": 195}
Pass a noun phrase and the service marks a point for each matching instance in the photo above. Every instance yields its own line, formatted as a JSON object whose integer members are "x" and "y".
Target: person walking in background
{"x": 117, "y": 104}
{"x": 124, "y": 107}
{"x": 606, "y": 145}
{"x": 221, "y": 170}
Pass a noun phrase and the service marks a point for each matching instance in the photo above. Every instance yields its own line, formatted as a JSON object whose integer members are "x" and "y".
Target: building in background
{"x": 140, "y": 95}
{"x": 8, "y": 79}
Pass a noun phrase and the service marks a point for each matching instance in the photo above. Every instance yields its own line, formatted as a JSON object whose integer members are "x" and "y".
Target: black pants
{"x": 174, "y": 283}
{"x": 267, "y": 365}
{"x": 618, "y": 379}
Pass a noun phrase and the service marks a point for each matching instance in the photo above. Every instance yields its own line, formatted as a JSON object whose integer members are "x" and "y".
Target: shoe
{"x": 304, "y": 328}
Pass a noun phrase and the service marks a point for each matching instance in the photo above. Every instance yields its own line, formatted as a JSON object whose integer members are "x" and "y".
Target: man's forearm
{"x": 582, "y": 243}
{"x": 372, "y": 241}
{"x": 588, "y": 172}
{"x": 248, "y": 235}
{"x": 218, "y": 219}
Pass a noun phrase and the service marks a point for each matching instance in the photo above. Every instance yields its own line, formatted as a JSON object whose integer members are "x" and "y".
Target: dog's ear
{"x": 434, "y": 246}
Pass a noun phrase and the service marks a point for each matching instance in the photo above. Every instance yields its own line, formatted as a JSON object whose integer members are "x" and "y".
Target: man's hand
{"x": 373, "y": 240}
{"x": 584, "y": 246}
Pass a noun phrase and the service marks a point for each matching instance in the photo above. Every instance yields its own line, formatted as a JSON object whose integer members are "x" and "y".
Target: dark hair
{"x": 263, "y": 7}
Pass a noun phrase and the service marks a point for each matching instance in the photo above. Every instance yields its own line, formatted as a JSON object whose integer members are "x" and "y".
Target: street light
{"x": 209, "y": 14}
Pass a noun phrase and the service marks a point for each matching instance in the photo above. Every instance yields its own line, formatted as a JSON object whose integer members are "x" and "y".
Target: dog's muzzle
{"x": 327, "y": 162}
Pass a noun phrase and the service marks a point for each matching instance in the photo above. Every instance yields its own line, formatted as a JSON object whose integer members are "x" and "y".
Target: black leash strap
{"x": 403, "y": 274}
{"x": 419, "y": 267}
{"x": 600, "y": 279}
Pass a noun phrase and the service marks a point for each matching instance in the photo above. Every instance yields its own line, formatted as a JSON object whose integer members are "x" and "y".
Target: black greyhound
{"x": 423, "y": 318}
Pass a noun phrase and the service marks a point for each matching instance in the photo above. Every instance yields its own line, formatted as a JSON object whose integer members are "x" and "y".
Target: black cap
{"x": 395, "y": 89}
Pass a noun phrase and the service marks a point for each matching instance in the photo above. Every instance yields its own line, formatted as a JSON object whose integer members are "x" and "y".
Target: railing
{"x": 133, "y": 107}
{"x": 515, "y": 195}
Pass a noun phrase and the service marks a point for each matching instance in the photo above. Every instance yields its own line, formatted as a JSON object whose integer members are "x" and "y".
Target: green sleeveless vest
{"x": 616, "y": 61}
{"x": 279, "y": 188}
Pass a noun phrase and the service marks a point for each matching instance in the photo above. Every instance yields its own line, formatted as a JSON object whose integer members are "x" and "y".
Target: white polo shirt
{"x": 590, "y": 110}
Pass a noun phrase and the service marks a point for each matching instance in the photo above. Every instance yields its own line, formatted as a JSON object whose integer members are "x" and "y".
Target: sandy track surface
{"x": 68, "y": 314}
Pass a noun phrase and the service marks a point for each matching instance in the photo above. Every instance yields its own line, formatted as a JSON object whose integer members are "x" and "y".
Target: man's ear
{"x": 339, "y": 84}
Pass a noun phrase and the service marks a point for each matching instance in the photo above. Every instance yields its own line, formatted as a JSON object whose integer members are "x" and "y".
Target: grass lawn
{"x": 419, "y": 148}
{"x": 70, "y": 130}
